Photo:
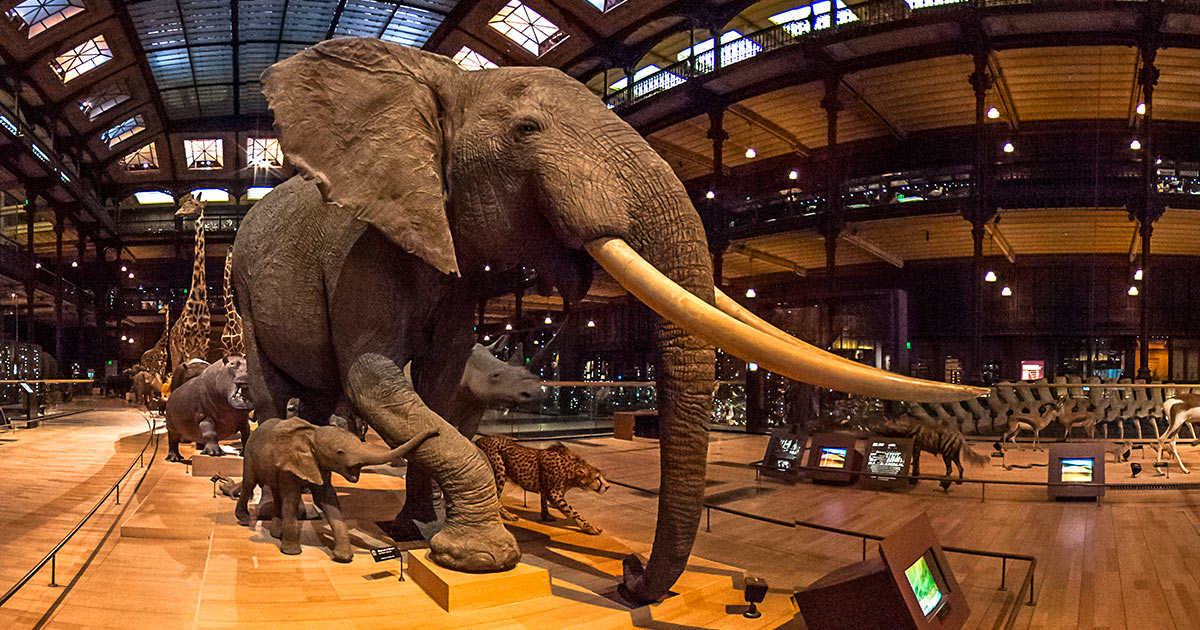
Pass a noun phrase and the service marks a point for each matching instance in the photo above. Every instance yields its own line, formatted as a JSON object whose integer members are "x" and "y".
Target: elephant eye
{"x": 526, "y": 127}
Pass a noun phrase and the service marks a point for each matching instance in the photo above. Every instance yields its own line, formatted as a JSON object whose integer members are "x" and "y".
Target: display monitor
{"x": 926, "y": 583}
{"x": 832, "y": 457}
{"x": 1078, "y": 470}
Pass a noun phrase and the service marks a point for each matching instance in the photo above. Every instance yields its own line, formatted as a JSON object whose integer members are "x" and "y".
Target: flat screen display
{"x": 1078, "y": 470}
{"x": 832, "y": 457}
{"x": 885, "y": 458}
{"x": 924, "y": 585}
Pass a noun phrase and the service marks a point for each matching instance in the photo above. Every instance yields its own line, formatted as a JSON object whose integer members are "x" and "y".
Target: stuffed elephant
{"x": 287, "y": 456}
{"x": 414, "y": 178}
{"x": 147, "y": 388}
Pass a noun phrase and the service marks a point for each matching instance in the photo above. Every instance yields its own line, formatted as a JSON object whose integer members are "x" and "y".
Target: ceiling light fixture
{"x": 794, "y": 175}
{"x": 131, "y": 275}
{"x": 1008, "y": 147}
{"x": 710, "y": 195}
{"x": 1006, "y": 291}
{"x": 123, "y": 269}
{"x": 753, "y": 367}
{"x": 993, "y": 113}
{"x": 591, "y": 323}
{"x": 508, "y": 327}
{"x": 37, "y": 265}
{"x": 1135, "y": 144}
{"x": 751, "y": 153}
{"x": 547, "y": 320}
{"x": 1133, "y": 291}
{"x": 751, "y": 293}
{"x": 74, "y": 263}
{"x": 1141, "y": 109}
{"x": 1137, "y": 275}
{"x": 990, "y": 276}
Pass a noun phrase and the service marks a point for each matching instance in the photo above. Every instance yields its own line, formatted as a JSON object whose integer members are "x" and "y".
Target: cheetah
{"x": 550, "y": 472}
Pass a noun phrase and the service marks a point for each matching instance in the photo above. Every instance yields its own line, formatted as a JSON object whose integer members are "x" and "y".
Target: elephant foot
{"x": 475, "y": 548}
{"x": 244, "y": 520}
{"x": 402, "y": 530}
{"x": 213, "y": 450}
{"x": 275, "y": 528}
{"x": 506, "y": 515}
{"x": 291, "y": 549}
{"x": 343, "y": 555}
{"x": 175, "y": 457}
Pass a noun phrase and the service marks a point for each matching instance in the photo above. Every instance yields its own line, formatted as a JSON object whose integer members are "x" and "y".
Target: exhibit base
{"x": 207, "y": 466}
{"x": 455, "y": 591}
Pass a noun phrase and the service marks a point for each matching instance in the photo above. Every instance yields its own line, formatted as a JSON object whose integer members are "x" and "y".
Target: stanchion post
{"x": 1003, "y": 571}
{"x": 1032, "y": 577}
{"x": 864, "y": 552}
{"x": 53, "y": 568}
{"x": 707, "y": 518}
{"x": 118, "y": 492}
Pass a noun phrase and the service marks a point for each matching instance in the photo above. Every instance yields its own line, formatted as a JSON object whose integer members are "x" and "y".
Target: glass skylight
{"x": 606, "y": 5}
{"x": 102, "y": 100}
{"x": 527, "y": 28}
{"x": 211, "y": 194}
{"x": 812, "y": 17}
{"x": 123, "y": 131}
{"x": 263, "y": 152}
{"x": 39, "y": 15}
{"x": 254, "y": 193}
{"x": 204, "y": 154}
{"x": 468, "y": 59}
{"x": 147, "y": 197}
{"x": 81, "y": 58}
{"x": 41, "y": 155}
{"x": 144, "y": 159}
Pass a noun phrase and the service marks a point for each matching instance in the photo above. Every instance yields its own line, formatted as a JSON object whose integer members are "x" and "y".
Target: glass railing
{"x": 582, "y": 407}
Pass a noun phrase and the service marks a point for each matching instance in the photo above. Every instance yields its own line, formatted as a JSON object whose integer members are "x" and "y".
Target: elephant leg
{"x": 249, "y": 481}
{"x": 473, "y": 538}
{"x": 173, "y": 448}
{"x": 270, "y": 389}
{"x": 209, "y": 433}
{"x": 244, "y": 431}
{"x": 317, "y": 409}
{"x": 271, "y": 509}
{"x": 326, "y": 499}
{"x": 289, "y": 505}
{"x": 418, "y": 504}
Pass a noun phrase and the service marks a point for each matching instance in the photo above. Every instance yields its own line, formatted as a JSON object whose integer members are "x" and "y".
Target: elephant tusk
{"x": 771, "y": 348}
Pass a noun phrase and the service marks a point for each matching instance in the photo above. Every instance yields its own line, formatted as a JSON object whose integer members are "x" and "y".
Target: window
{"x": 657, "y": 81}
{"x": 9, "y": 125}
{"x": 211, "y": 194}
{"x": 39, "y": 15}
{"x": 263, "y": 152}
{"x": 147, "y": 197}
{"x": 812, "y": 17}
{"x": 921, "y": 4}
{"x": 606, "y": 5}
{"x": 144, "y": 159}
{"x": 81, "y": 58}
{"x": 203, "y": 154}
{"x": 734, "y": 48}
{"x": 527, "y": 28}
{"x": 41, "y": 155}
{"x": 103, "y": 100}
{"x": 468, "y": 59}
{"x": 254, "y": 193}
{"x": 123, "y": 131}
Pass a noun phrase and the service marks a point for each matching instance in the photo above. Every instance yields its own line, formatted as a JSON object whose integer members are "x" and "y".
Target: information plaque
{"x": 887, "y": 458}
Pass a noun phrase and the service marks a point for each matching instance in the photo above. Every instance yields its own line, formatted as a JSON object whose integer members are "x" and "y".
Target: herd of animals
{"x": 357, "y": 282}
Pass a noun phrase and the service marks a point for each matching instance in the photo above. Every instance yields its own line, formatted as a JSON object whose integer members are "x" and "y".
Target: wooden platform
{"x": 455, "y": 591}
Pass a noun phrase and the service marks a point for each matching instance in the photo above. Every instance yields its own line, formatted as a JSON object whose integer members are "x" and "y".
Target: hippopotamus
{"x": 211, "y": 407}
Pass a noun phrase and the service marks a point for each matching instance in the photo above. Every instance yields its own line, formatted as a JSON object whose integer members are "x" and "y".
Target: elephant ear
{"x": 361, "y": 117}
{"x": 295, "y": 451}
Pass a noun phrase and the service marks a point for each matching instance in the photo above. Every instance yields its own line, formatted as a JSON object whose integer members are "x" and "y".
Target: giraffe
{"x": 231, "y": 336}
{"x": 155, "y": 359}
{"x": 190, "y": 335}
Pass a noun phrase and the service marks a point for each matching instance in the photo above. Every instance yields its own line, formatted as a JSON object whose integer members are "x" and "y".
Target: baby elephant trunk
{"x": 397, "y": 455}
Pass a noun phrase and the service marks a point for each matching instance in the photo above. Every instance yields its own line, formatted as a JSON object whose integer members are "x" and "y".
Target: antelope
{"x": 1033, "y": 422}
{"x": 1180, "y": 410}
{"x": 1086, "y": 419}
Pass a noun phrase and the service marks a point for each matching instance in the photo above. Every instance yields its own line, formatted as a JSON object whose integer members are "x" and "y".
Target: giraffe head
{"x": 190, "y": 207}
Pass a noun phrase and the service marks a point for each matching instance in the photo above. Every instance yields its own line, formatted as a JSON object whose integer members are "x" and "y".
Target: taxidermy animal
{"x": 489, "y": 383}
{"x": 1084, "y": 418}
{"x": 1180, "y": 410}
{"x": 147, "y": 387}
{"x": 945, "y": 442}
{"x": 414, "y": 174}
{"x": 186, "y": 372}
{"x": 288, "y": 456}
{"x": 211, "y": 407}
{"x": 550, "y": 472}
{"x": 190, "y": 335}
{"x": 1033, "y": 422}
{"x": 155, "y": 359}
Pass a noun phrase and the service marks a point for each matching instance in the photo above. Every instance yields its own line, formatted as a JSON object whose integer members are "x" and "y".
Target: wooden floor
{"x": 179, "y": 560}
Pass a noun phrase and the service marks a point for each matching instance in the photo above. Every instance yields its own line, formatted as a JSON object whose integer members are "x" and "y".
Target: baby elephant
{"x": 550, "y": 472}
{"x": 287, "y": 456}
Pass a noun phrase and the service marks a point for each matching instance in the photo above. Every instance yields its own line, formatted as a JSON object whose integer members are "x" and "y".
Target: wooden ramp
{"x": 182, "y": 561}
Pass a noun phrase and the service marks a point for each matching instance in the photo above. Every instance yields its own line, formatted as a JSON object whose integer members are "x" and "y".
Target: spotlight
{"x": 993, "y": 113}
{"x": 753, "y": 367}
{"x": 74, "y": 263}
{"x": 1137, "y": 275}
{"x": 124, "y": 337}
{"x": 750, "y": 153}
{"x": 591, "y": 323}
{"x": 1008, "y": 147}
{"x": 1135, "y": 144}
{"x": 1134, "y": 468}
{"x": 547, "y": 320}
{"x": 751, "y": 293}
{"x": 1006, "y": 291}
{"x": 37, "y": 265}
{"x": 508, "y": 327}
{"x": 794, "y": 175}
{"x": 123, "y": 268}
{"x": 131, "y": 275}
{"x": 1133, "y": 291}
{"x": 710, "y": 195}
{"x": 131, "y": 340}
{"x": 990, "y": 276}
{"x": 487, "y": 337}
{"x": 487, "y": 267}
{"x": 1141, "y": 109}
{"x": 754, "y": 591}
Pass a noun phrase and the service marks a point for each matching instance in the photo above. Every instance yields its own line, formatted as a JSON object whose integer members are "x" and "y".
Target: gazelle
{"x": 1086, "y": 419}
{"x": 1033, "y": 422}
{"x": 1180, "y": 410}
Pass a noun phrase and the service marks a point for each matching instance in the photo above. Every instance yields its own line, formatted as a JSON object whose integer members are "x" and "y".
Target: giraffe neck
{"x": 198, "y": 292}
{"x": 229, "y": 305}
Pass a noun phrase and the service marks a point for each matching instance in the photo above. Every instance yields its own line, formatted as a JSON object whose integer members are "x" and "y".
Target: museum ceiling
{"x": 162, "y": 96}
